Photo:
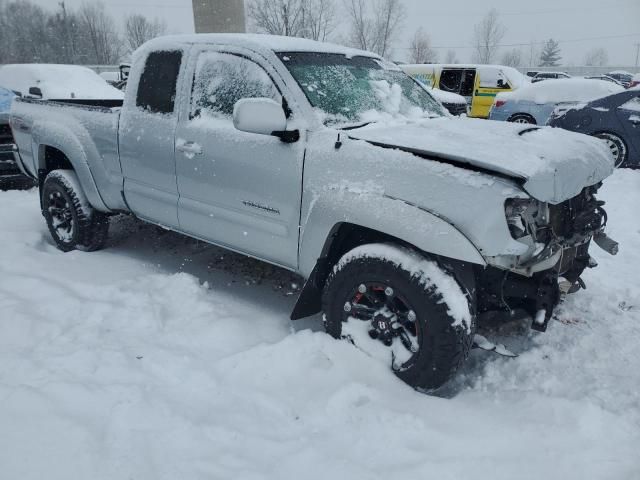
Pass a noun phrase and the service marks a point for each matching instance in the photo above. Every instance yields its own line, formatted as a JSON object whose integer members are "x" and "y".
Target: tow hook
{"x": 607, "y": 244}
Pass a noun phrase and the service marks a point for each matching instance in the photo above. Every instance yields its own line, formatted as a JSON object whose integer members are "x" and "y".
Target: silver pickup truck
{"x": 407, "y": 223}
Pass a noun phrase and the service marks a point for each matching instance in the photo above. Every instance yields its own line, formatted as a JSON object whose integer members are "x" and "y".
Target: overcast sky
{"x": 450, "y": 23}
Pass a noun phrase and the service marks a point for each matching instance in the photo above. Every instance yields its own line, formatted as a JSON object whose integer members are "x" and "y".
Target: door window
{"x": 451, "y": 80}
{"x": 221, "y": 79}
{"x": 157, "y": 88}
{"x": 492, "y": 78}
{"x": 632, "y": 105}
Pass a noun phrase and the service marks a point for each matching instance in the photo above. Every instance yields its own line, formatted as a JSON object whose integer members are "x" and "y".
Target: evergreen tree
{"x": 550, "y": 56}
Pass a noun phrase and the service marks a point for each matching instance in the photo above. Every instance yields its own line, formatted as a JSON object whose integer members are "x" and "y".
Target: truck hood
{"x": 552, "y": 165}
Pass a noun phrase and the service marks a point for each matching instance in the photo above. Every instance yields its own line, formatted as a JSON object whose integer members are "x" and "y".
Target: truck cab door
{"x": 146, "y": 140}
{"x": 239, "y": 190}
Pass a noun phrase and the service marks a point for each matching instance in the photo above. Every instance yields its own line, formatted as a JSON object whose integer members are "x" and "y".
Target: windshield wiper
{"x": 358, "y": 125}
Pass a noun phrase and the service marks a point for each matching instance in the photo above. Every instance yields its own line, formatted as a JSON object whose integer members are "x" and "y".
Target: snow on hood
{"x": 552, "y": 164}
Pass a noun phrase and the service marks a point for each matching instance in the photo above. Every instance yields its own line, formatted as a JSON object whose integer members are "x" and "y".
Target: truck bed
{"x": 83, "y": 131}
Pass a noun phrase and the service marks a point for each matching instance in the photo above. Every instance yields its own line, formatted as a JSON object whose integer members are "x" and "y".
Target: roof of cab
{"x": 255, "y": 42}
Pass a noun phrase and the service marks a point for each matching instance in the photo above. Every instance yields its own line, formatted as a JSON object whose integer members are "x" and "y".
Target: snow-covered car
{"x": 635, "y": 81}
{"x": 615, "y": 119}
{"x": 454, "y": 103}
{"x": 622, "y": 76}
{"x": 72, "y": 83}
{"x": 534, "y": 104}
{"x": 10, "y": 175}
{"x": 406, "y": 222}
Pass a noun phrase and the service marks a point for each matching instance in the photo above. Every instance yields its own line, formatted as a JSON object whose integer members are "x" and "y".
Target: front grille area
{"x": 456, "y": 108}
{"x": 580, "y": 215}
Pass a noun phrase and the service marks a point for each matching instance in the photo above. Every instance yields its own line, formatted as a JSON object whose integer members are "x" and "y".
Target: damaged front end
{"x": 558, "y": 239}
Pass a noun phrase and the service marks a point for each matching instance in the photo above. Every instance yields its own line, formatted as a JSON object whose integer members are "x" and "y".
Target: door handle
{"x": 189, "y": 148}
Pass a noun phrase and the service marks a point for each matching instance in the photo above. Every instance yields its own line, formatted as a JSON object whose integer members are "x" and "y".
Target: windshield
{"x": 348, "y": 91}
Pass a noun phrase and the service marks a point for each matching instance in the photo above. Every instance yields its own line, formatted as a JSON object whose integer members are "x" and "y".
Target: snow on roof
{"x": 256, "y": 42}
{"x": 57, "y": 81}
{"x": 563, "y": 90}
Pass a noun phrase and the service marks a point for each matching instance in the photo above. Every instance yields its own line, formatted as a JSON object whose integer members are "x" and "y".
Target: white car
{"x": 57, "y": 82}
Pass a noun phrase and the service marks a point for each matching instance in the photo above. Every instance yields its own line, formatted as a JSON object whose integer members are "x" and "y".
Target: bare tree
{"x": 319, "y": 19}
{"x": 597, "y": 57}
{"x": 389, "y": 18}
{"x": 314, "y": 19}
{"x": 374, "y": 25}
{"x": 138, "y": 30}
{"x": 100, "y": 29}
{"x": 420, "y": 50}
{"x": 487, "y": 37}
{"x": 512, "y": 58}
{"x": 451, "y": 57}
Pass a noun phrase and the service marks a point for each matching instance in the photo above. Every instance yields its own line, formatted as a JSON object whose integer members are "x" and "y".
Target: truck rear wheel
{"x": 403, "y": 309}
{"x": 72, "y": 222}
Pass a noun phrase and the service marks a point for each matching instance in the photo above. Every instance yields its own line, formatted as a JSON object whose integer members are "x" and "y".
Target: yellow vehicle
{"x": 479, "y": 84}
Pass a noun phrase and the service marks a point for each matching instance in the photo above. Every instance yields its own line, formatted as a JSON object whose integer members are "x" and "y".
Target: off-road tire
{"x": 89, "y": 227}
{"x": 443, "y": 346}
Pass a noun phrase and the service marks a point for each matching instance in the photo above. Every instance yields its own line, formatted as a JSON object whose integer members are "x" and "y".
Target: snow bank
{"x": 161, "y": 358}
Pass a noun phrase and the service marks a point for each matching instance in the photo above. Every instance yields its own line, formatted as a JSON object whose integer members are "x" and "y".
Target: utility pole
{"x": 637, "y": 53}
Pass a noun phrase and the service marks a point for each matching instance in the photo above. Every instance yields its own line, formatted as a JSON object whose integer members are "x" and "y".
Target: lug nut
{"x": 411, "y": 316}
{"x": 347, "y": 307}
{"x": 362, "y": 288}
{"x": 388, "y": 291}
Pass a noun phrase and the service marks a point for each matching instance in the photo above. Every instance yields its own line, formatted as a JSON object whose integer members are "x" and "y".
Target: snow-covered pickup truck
{"x": 406, "y": 222}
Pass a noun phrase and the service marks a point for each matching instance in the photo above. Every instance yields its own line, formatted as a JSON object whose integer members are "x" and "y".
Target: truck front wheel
{"x": 402, "y": 308}
{"x": 72, "y": 222}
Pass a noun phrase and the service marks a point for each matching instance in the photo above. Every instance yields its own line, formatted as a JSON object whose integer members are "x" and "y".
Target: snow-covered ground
{"x": 163, "y": 358}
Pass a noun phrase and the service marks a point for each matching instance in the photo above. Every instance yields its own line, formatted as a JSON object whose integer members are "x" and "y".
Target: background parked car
{"x": 622, "y": 76}
{"x": 478, "y": 84}
{"x": 615, "y": 119}
{"x": 540, "y": 76}
{"x": 607, "y": 78}
{"x": 10, "y": 175}
{"x": 56, "y": 82}
{"x": 534, "y": 103}
{"x": 635, "y": 81}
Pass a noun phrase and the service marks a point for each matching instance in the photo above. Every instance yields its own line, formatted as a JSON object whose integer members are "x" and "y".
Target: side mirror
{"x": 35, "y": 92}
{"x": 263, "y": 116}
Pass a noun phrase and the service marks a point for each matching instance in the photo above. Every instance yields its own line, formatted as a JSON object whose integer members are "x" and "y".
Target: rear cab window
{"x": 158, "y": 82}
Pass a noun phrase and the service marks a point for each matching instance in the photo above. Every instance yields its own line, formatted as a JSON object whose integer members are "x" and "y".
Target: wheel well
{"x": 528, "y": 115}
{"x": 343, "y": 238}
{"x": 54, "y": 159}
